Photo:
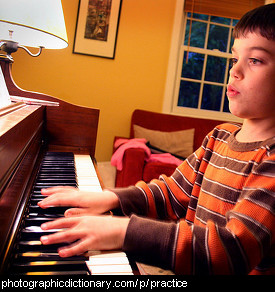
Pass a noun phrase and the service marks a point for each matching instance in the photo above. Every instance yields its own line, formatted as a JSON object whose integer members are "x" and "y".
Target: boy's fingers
{"x": 77, "y": 212}
{"x": 61, "y": 199}
{"x": 76, "y": 248}
{"x": 60, "y": 223}
{"x": 53, "y": 190}
{"x": 59, "y": 237}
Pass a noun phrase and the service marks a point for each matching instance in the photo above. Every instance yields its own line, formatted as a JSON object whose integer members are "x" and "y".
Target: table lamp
{"x": 31, "y": 23}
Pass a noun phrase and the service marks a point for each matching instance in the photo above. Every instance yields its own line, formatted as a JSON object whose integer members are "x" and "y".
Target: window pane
{"x": 226, "y": 105}
{"x": 189, "y": 94}
{"x": 207, "y": 33}
{"x": 218, "y": 36}
{"x": 235, "y": 21}
{"x": 211, "y": 97}
{"x": 215, "y": 69}
{"x": 221, "y": 20}
{"x": 198, "y": 32}
{"x": 198, "y": 16}
{"x": 193, "y": 69}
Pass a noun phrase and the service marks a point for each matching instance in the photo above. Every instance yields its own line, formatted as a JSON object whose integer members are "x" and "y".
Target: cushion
{"x": 155, "y": 169}
{"x": 179, "y": 143}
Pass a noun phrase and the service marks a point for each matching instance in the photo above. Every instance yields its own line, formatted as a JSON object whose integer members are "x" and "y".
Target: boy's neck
{"x": 254, "y": 130}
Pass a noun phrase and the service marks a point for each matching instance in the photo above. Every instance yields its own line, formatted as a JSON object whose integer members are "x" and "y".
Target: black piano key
{"x": 64, "y": 155}
{"x": 36, "y": 266}
{"x": 35, "y": 200}
{"x": 51, "y": 210}
{"x": 53, "y": 175}
{"x": 34, "y": 233}
{"x": 36, "y": 221}
{"x": 24, "y": 246}
{"x": 30, "y": 255}
{"x": 45, "y": 256}
{"x": 36, "y": 245}
{"x": 55, "y": 180}
{"x": 60, "y": 161}
{"x": 56, "y": 172}
{"x": 46, "y": 260}
{"x": 46, "y": 216}
{"x": 53, "y": 273}
{"x": 38, "y": 187}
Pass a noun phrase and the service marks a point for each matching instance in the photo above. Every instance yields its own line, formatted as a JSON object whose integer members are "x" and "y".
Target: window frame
{"x": 173, "y": 79}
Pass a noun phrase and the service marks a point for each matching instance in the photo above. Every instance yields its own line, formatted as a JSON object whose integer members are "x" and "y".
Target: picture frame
{"x": 97, "y": 28}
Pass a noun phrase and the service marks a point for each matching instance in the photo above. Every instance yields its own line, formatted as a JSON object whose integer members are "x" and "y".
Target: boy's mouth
{"x": 231, "y": 91}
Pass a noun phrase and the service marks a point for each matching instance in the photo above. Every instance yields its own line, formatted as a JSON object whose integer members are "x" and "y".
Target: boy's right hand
{"x": 82, "y": 203}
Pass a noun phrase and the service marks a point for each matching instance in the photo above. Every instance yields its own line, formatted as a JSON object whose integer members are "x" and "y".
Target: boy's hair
{"x": 260, "y": 19}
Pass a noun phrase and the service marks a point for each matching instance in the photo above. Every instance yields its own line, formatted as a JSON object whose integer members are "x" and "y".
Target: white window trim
{"x": 170, "y": 98}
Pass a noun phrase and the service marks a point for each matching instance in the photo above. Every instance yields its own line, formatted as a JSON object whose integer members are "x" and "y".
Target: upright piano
{"x": 41, "y": 146}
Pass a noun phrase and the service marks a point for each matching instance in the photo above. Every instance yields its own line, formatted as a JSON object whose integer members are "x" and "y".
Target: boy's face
{"x": 251, "y": 87}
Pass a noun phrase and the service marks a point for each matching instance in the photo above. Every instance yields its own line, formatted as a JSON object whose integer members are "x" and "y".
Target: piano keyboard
{"x": 109, "y": 263}
{"x": 99, "y": 263}
{"x": 33, "y": 258}
{"x": 87, "y": 179}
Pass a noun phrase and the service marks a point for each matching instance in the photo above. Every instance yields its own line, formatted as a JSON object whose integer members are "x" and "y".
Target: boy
{"x": 216, "y": 213}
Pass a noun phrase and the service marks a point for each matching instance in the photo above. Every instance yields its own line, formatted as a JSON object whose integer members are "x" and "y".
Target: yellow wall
{"x": 134, "y": 79}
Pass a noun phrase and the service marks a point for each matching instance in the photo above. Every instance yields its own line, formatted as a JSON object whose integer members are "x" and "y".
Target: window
{"x": 202, "y": 67}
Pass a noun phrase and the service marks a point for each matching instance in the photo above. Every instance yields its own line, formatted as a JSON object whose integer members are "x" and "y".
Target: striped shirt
{"x": 214, "y": 215}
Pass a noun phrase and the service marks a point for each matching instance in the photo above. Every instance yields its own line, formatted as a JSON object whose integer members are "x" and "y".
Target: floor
{"x": 107, "y": 173}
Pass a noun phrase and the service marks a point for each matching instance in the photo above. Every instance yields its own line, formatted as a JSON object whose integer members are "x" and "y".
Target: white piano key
{"x": 109, "y": 261}
{"x": 110, "y": 270}
{"x": 86, "y": 174}
{"x": 106, "y": 254}
{"x": 86, "y": 181}
{"x": 90, "y": 188}
{"x": 100, "y": 263}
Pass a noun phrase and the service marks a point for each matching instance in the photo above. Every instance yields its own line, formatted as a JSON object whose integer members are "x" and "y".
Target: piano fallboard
{"x": 20, "y": 152}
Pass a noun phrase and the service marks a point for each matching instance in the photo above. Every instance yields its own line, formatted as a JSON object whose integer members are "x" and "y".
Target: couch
{"x": 186, "y": 132}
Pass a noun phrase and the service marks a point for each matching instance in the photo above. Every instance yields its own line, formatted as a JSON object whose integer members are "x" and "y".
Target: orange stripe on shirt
{"x": 169, "y": 208}
{"x": 183, "y": 264}
{"x": 181, "y": 197}
{"x": 257, "y": 213}
{"x": 218, "y": 255}
{"x": 214, "y": 204}
{"x": 152, "y": 212}
{"x": 248, "y": 241}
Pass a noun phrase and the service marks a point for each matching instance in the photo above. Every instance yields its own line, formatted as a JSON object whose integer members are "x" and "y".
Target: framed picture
{"x": 97, "y": 27}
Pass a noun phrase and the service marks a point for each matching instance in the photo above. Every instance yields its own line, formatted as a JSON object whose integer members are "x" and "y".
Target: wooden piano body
{"x": 25, "y": 133}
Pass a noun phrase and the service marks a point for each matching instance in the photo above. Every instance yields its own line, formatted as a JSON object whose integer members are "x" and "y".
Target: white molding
{"x": 172, "y": 78}
{"x": 173, "y": 56}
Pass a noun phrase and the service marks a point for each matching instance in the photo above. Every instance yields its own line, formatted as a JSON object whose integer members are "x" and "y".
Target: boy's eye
{"x": 232, "y": 61}
{"x": 255, "y": 61}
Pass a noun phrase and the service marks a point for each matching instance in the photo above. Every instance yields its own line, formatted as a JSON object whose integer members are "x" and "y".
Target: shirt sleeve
{"x": 151, "y": 241}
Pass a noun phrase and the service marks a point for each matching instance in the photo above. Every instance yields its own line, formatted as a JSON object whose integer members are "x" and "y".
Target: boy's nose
{"x": 236, "y": 72}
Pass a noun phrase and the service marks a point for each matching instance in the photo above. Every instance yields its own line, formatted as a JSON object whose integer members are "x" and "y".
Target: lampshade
{"x": 35, "y": 23}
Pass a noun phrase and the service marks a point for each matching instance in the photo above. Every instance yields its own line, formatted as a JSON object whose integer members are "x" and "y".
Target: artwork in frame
{"x": 97, "y": 28}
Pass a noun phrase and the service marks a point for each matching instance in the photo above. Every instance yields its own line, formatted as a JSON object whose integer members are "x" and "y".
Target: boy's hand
{"x": 87, "y": 233}
{"x": 83, "y": 203}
